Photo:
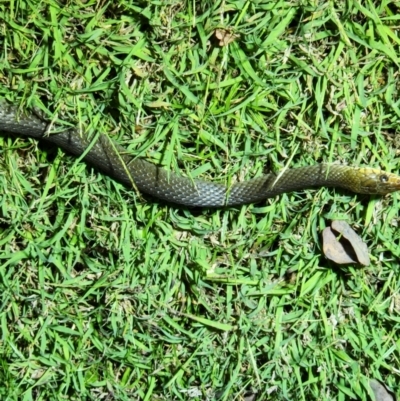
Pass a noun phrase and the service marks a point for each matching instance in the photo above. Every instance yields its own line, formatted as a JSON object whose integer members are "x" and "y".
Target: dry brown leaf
{"x": 342, "y": 245}
{"x": 225, "y": 36}
{"x": 381, "y": 392}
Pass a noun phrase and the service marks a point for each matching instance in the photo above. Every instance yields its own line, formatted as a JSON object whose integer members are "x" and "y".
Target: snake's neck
{"x": 318, "y": 175}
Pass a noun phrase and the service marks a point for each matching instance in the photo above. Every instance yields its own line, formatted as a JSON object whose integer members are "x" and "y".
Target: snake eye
{"x": 384, "y": 178}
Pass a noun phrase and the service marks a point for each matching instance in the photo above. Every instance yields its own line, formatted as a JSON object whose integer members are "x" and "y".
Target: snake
{"x": 110, "y": 158}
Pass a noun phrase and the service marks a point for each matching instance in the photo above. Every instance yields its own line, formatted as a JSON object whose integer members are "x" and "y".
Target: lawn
{"x": 110, "y": 295}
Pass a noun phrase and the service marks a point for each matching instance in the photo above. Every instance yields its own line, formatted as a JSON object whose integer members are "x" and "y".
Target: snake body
{"x": 112, "y": 159}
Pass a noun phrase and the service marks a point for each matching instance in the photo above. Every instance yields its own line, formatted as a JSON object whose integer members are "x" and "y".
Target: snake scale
{"x": 112, "y": 159}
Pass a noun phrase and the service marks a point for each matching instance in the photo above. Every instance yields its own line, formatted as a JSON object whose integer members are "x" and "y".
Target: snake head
{"x": 373, "y": 181}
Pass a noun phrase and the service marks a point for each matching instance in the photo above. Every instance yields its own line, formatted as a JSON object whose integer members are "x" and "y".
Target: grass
{"x": 106, "y": 295}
